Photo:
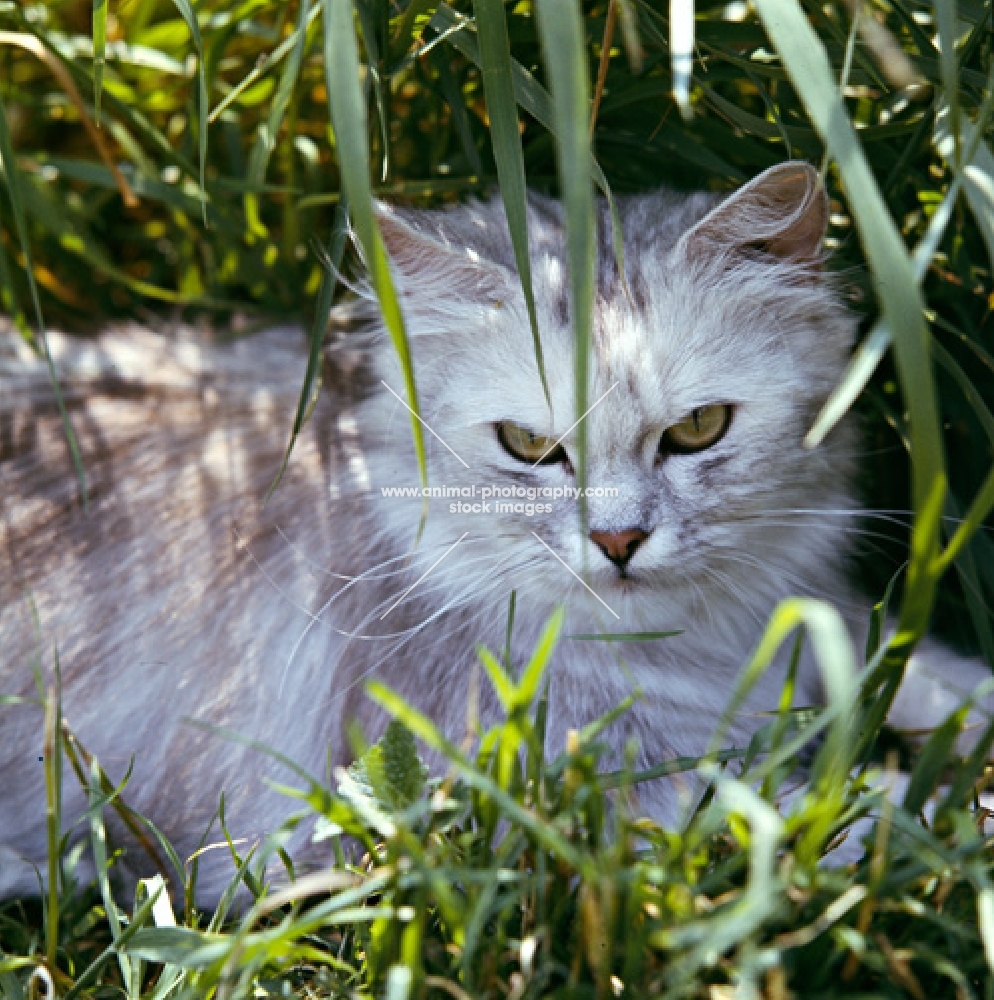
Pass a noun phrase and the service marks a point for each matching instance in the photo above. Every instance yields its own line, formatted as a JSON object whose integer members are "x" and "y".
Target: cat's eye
{"x": 700, "y": 429}
{"x": 525, "y": 446}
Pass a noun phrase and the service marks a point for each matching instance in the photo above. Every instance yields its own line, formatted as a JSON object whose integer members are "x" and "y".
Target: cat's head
{"x": 707, "y": 367}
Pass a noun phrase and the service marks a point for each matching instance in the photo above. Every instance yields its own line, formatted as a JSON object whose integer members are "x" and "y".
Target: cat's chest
{"x": 676, "y": 689}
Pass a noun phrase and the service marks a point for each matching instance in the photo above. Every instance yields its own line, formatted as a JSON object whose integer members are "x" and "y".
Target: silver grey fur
{"x": 180, "y": 596}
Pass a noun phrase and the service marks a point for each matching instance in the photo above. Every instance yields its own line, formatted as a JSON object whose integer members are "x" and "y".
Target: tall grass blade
{"x": 878, "y": 617}
{"x": 460, "y": 115}
{"x": 630, "y": 35}
{"x": 946, "y": 22}
{"x": 531, "y": 96}
{"x": 98, "y": 844}
{"x": 188, "y": 14}
{"x": 319, "y": 324}
{"x": 985, "y": 915}
{"x": 977, "y": 169}
{"x": 976, "y": 177}
{"x": 976, "y": 514}
{"x": 604, "y": 64}
{"x": 681, "y": 52}
{"x": 15, "y": 193}
{"x": 498, "y": 86}
{"x": 372, "y": 13}
{"x": 860, "y": 370}
{"x": 8, "y": 295}
{"x": 536, "y": 667}
{"x": 894, "y": 280}
{"x": 348, "y": 119}
{"x": 561, "y": 33}
{"x": 933, "y": 760}
{"x": 265, "y": 142}
{"x": 262, "y": 67}
{"x": 53, "y": 815}
{"x": 99, "y": 53}
{"x": 502, "y": 683}
{"x": 881, "y": 679}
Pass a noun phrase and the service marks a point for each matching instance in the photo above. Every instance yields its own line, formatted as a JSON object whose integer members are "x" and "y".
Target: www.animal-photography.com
{"x": 495, "y": 499}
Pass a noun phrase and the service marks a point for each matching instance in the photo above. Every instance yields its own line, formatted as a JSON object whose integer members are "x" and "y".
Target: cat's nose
{"x": 619, "y": 546}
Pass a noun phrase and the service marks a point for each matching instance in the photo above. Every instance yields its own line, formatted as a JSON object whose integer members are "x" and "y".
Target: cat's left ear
{"x": 782, "y": 213}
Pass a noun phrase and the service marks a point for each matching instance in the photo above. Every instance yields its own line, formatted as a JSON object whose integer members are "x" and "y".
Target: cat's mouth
{"x": 623, "y": 582}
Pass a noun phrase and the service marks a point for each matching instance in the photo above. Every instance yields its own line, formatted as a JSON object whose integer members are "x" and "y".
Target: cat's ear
{"x": 428, "y": 267}
{"x": 782, "y": 213}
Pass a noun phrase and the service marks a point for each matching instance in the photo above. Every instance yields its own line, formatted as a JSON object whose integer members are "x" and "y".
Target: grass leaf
{"x": 99, "y": 48}
{"x": 348, "y": 116}
{"x": 263, "y": 66}
{"x": 189, "y": 16}
{"x": 681, "y": 52}
{"x": 319, "y": 324}
{"x": 894, "y": 280}
{"x": 14, "y": 191}
{"x": 625, "y": 636}
{"x": 498, "y": 85}
{"x": 561, "y": 32}
{"x": 269, "y": 133}
{"x": 933, "y": 760}
{"x": 531, "y": 96}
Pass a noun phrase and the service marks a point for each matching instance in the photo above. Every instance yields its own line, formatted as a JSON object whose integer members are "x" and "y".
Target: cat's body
{"x": 180, "y": 595}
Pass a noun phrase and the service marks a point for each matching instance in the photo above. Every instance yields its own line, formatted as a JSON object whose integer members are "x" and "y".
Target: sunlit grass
{"x": 517, "y": 875}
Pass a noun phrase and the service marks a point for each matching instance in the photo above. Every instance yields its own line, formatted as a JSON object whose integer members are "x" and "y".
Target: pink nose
{"x": 619, "y": 546}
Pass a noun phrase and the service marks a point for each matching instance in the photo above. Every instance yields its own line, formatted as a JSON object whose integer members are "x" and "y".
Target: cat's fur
{"x": 180, "y": 595}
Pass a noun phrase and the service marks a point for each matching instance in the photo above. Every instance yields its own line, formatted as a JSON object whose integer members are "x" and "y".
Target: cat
{"x": 181, "y": 594}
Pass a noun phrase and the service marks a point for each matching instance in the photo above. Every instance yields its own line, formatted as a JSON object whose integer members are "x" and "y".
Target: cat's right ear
{"x": 432, "y": 272}
{"x": 782, "y": 214}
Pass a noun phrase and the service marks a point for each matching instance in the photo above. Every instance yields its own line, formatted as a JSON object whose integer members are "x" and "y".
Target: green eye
{"x": 700, "y": 429}
{"x": 525, "y": 446}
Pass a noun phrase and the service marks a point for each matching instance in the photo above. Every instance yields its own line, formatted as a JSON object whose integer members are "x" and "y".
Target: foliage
{"x": 517, "y": 875}
{"x": 165, "y": 156}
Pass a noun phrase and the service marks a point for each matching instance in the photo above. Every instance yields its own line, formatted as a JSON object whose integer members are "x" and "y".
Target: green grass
{"x": 514, "y": 874}
{"x": 182, "y": 157}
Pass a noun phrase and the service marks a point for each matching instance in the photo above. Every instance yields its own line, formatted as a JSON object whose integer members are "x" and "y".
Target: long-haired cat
{"x": 180, "y": 594}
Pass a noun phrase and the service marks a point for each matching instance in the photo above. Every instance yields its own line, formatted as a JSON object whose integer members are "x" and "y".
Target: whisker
{"x": 453, "y": 603}
{"x": 318, "y": 617}
{"x": 847, "y": 529}
{"x": 727, "y": 584}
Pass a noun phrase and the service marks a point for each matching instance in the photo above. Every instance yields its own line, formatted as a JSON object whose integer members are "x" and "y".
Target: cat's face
{"x": 704, "y": 376}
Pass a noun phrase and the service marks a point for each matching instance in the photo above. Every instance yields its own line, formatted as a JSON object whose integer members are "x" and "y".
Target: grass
{"x": 184, "y": 158}
{"x": 517, "y": 875}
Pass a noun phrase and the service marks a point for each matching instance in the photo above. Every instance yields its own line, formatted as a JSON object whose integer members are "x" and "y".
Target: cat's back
{"x": 177, "y": 439}
{"x": 174, "y": 591}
